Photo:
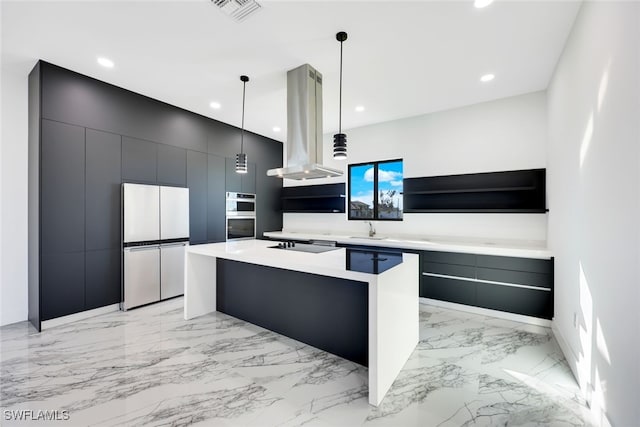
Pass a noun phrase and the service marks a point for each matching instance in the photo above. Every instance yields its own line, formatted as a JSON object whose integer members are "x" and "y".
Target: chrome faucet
{"x": 372, "y": 231}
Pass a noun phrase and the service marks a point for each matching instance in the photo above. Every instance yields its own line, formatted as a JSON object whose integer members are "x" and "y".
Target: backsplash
{"x": 491, "y": 226}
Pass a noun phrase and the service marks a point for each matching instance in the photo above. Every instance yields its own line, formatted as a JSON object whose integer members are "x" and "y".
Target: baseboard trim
{"x": 567, "y": 351}
{"x": 488, "y": 312}
{"x": 48, "y": 324}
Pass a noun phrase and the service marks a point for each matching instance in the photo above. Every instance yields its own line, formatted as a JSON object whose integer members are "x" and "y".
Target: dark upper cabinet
{"x": 248, "y": 180}
{"x": 520, "y": 191}
{"x": 102, "y": 192}
{"x": 314, "y": 198}
{"x": 102, "y": 278}
{"x": 233, "y": 180}
{"x": 62, "y": 187}
{"x": 172, "y": 165}
{"x": 62, "y": 289}
{"x": 197, "y": 172}
{"x": 139, "y": 161}
{"x": 74, "y": 98}
{"x": 216, "y": 227}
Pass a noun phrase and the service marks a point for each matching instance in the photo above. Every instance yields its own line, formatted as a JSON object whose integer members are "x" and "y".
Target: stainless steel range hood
{"x": 304, "y": 127}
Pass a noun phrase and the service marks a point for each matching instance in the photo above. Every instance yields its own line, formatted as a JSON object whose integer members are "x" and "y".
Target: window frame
{"x": 376, "y": 165}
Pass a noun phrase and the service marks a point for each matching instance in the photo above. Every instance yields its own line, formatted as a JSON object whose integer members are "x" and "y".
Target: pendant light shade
{"x": 241, "y": 157}
{"x": 340, "y": 139}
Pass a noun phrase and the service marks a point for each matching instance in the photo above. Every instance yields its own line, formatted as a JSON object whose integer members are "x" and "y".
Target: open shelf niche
{"x": 325, "y": 198}
{"x": 521, "y": 191}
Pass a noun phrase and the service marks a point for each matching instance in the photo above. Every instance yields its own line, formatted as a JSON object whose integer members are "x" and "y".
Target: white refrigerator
{"x": 155, "y": 235}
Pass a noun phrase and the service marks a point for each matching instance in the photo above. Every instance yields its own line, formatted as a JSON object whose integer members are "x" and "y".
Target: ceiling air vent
{"x": 239, "y": 10}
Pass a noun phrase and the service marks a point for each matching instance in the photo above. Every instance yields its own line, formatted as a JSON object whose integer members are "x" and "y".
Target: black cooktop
{"x": 304, "y": 247}
{"x": 362, "y": 260}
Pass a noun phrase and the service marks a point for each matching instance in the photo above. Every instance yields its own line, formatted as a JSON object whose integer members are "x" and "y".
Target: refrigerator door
{"x": 172, "y": 270}
{"x": 141, "y": 212}
{"x": 174, "y": 213}
{"x": 141, "y": 276}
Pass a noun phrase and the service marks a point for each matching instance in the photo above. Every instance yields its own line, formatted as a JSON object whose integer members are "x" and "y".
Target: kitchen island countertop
{"x": 391, "y": 294}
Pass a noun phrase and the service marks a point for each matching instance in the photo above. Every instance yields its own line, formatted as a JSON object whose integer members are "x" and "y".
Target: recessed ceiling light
{"x": 487, "y": 78}
{"x": 482, "y": 3}
{"x": 359, "y": 108}
{"x": 215, "y": 105}
{"x": 276, "y": 129}
{"x": 105, "y": 62}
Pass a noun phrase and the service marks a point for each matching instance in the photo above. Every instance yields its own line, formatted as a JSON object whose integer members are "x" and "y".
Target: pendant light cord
{"x": 340, "y": 107}
{"x": 244, "y": 87}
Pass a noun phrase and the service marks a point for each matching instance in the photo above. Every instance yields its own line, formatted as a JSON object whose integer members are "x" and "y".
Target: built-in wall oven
{"x": 241, "y": 216}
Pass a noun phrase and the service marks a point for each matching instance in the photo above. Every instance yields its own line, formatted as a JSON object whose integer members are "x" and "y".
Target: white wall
{"x": 13, "y": 187}
{"x": 507, "y": 134}
{"x": 594, "y": 201}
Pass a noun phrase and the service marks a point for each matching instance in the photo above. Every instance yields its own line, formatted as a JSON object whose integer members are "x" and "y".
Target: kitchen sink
{"x": 368, "y": 237}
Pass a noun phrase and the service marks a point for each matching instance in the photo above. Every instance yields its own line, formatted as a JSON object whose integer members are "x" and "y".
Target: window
{"x": 375, "y": 191}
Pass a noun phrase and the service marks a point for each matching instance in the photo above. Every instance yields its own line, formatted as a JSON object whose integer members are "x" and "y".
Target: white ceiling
{"x": 401, "y": 59}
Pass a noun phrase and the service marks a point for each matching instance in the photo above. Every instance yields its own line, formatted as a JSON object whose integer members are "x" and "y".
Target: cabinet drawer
{"x": 529, "y": 302}
{"x": 515, "y": 277}
{"x": 449, "y": 258}
{"x": 460, "y": 291}
{"x": 449, "y": 269}
{"x": 543, "y": 266}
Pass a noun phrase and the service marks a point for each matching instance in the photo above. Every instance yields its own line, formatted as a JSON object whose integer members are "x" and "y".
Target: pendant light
{"x": 340, "y": 139}
{"x": 241, "y": 157}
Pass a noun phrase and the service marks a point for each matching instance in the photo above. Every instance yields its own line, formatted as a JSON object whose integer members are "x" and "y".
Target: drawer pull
{"x": 490, "y": 282}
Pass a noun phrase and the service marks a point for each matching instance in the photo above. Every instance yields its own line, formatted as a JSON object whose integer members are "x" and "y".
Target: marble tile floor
{"x": 150, "y": 367}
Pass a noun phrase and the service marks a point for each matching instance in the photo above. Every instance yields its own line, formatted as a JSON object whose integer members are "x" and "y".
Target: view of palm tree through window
{"x": 375, "y": 190}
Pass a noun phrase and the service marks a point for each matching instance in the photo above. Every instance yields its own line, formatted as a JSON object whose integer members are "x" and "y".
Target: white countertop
{"x": 500, "y": 247}
{"x": 392, "y": 297}
{"x": 331, "y": 263}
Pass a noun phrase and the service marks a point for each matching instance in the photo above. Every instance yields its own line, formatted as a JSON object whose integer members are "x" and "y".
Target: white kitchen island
{"x": 391, "y": 295}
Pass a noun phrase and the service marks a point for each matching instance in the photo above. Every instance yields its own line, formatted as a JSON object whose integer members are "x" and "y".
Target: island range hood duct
{"x": 304, "y": 127}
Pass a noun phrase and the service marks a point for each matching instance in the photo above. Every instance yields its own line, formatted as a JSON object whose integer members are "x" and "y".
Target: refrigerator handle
{"x": 168, "y": 245}
{"x": 141, "y": 248}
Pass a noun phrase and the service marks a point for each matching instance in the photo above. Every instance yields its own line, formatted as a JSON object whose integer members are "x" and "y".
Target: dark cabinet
{"x": 314, "y": 198}
{"x": 76, "y": 173}
{"x": 216, "y": 227}
{"x": 139, "y": 161}
{"x": 451, "y": 290}
{"x": 521, "y": 191}
{"x": 62, "y": 181}
{"x": 172, "y": 165}
{"x": 102, "y": 278}
{"x": 102, "y": 192}
{"x": 197, "y": 170}
{"x": 62, "y": 290}
{"x": 248, "y": 180}
{"x": 233, "y": 180}
{"x": 529, "y": 302}
{"x": 516, "y": 285}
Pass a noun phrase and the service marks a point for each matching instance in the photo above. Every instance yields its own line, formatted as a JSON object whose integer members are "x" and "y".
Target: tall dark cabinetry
{"x": 62, "y": 235}
{"x": 103, "y": 211}
{"x": 197, "y": 183}
{"x": 216, "y": 199}
{"x": 86, "y": 138}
